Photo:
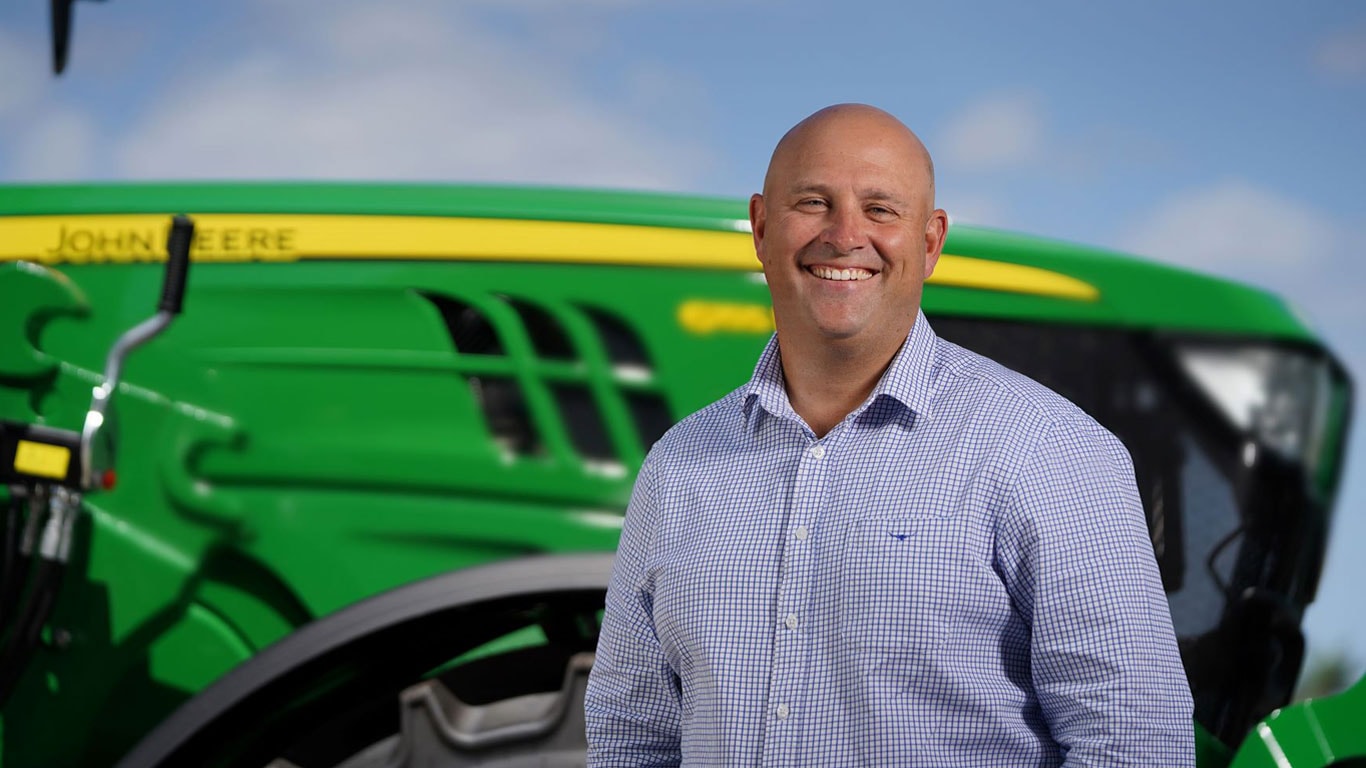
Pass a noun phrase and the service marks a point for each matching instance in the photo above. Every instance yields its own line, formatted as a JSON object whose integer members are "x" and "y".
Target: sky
{"x": 1221, "y": 136}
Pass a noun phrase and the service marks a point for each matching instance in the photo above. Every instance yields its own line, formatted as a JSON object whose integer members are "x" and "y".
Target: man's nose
{"x": 845, "y": 231}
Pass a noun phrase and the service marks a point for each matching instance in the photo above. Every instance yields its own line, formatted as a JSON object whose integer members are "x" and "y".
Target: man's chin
{"x": 853, "y": 333}
{"x": 837, "y": 333}
{"x": 833, "y": 329}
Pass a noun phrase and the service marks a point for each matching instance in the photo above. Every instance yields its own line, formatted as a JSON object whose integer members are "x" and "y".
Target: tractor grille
{"x": 555, "y": 377}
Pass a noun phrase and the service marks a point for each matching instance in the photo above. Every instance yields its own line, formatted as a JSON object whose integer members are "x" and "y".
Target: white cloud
{"x": 1004, "y": 130}
{"x": 976, "y": 210}
{"x": 1254, "y": 235}
{"x": 417, "y": 91}
{"x": 56, "y": 145}
{"x": 1236, "y": 228}
{"x": 1343, "y": 53}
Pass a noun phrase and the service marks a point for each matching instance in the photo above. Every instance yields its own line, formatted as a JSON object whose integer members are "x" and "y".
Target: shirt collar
{"x": 906, "y": 381}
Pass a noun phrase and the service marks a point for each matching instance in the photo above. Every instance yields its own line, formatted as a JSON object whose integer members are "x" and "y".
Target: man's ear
{"x": 936, "y": 229}
{"x": 758, "y": 217}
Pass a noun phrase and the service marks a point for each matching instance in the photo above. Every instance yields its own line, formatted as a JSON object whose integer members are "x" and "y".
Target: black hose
{"x": 12, "y": 563}
{"x": 19, "y": 646}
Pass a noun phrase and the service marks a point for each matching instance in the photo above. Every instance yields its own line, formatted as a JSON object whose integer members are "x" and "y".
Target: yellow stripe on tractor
{"x": 124, "y": 239}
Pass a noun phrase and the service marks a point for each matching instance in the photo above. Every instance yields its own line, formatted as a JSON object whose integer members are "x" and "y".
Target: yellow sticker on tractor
{"x": 708, "y": 317}
{"x": 42, "y": 459}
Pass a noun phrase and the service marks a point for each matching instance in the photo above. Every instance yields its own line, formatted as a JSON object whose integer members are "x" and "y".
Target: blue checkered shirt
{"x": 958, "y": 574}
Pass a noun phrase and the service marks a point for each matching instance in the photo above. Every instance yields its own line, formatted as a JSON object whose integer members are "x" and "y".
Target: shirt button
{"x": 818, "y": 451}
{"x": 783, "y": 711}
{"x": 801, "y": 533}
{"x": 791, "y": 621}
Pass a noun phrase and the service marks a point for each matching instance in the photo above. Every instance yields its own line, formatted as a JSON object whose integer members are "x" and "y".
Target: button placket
{"x": 807, "y": 498}
{"x": 787, "y": 679}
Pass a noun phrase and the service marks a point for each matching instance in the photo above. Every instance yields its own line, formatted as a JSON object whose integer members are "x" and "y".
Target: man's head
{"x": 846, "y": 229}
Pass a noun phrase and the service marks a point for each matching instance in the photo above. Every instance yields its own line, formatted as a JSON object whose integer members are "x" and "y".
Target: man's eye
{"x": 812, "y": 203}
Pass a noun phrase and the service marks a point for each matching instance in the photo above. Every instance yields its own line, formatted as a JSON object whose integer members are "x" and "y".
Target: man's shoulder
{"x": 1016, "y": 412}
{"x": 705, "y": 430}
{"x": 968, "y": 380}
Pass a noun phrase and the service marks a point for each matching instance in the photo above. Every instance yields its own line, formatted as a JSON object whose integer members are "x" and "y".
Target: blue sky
{"x": 1223, "y": 136}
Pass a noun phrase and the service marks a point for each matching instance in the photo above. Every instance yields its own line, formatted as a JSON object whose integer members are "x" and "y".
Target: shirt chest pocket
{"x": 900, "y": 578}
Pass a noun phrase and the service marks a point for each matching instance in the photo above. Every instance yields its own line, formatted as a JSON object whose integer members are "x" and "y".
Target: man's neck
{"x": 826, "y": 381}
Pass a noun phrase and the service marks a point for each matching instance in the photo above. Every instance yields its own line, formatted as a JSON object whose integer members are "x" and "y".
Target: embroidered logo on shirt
{"x": 898, "y": 536}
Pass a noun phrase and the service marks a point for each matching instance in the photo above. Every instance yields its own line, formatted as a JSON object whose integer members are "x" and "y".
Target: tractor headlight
{"x": 1278, "y": 396}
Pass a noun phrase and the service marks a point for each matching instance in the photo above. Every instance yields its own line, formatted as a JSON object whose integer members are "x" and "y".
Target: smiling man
{"x": 883, "y": 549}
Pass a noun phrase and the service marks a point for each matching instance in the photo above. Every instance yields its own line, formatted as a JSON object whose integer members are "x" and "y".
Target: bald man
{"x": 883, "y": 550}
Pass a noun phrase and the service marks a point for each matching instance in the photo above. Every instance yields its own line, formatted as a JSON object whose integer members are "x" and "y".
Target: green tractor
{"x": 356, "y": 505}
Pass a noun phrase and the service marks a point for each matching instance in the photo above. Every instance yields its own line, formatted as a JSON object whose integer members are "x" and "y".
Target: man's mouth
{"x": 842, "y": 275}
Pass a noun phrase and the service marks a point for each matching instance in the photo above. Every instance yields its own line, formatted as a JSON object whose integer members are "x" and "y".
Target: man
{"x": 884, "y": 549}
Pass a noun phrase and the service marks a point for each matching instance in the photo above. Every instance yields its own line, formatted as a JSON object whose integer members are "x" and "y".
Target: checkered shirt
{"x": 957, "y": 574}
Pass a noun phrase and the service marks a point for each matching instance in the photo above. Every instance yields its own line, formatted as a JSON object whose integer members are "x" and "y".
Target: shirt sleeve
{"x": 632, "y": 705}
{"x": 1074, "y": 551}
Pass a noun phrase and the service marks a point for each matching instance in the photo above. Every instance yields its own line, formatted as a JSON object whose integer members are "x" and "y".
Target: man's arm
{"x": 632, "y": 704}
{"x": 1075, "y": 554}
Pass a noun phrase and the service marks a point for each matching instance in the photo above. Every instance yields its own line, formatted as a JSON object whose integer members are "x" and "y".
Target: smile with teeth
{"x": 831, "y": 273}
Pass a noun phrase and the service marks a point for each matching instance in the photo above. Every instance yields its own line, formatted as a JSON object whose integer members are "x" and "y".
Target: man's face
{"x": 846, "y": 234}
